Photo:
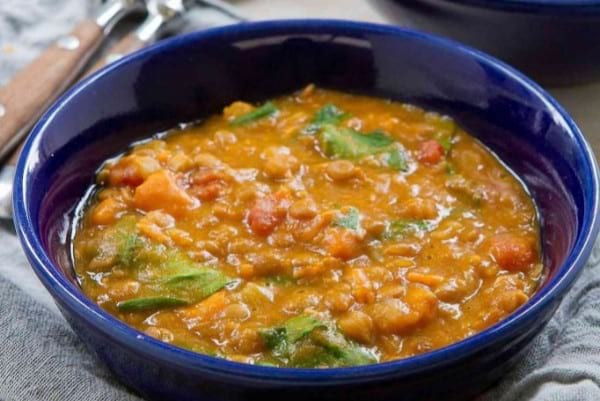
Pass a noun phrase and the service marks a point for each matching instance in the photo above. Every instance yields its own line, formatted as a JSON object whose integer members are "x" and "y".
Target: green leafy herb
{"x": 168, "y": 276}
{"x": 263, "y": 111}
{"x": 279, "y": 339}
{"x": 328, "y": 114}
{"x": 305, "y": 341}
{"x": 397, "y": 159}
{"x": 126, "y": 240}
{"x": 197, "y": 285}
{"x": 149, "y": 303}
{"x": 280, "y": 280}
{"x": 402, "y": 228}
{"x": 300, "y": 326}
{"x": 444, "y": 135}
{"x": 349, "y": 220}
{"x": 346, "y": 143}
{"x": 346, "y": 352}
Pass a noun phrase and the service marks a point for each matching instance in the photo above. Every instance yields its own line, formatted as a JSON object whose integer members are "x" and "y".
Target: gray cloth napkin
{"x": 42, "y": 359}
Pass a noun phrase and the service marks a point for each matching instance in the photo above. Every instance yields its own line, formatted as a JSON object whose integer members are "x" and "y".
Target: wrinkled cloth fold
{"x": 41, "y": 358}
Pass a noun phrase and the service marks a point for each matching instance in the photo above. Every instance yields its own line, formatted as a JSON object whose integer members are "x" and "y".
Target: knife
{"x": 161, "y": 14}
{"x": 33, "y": 88}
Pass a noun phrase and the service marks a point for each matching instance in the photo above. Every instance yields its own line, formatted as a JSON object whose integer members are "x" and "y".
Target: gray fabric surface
{"x": 42, "y": 359}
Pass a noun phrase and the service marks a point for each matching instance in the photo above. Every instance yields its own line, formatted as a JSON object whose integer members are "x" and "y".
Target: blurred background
{"x": 26, "y": 29}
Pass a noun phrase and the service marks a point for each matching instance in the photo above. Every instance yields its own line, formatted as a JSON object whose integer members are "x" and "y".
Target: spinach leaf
{"x": 346, "y": 352}
{"x": 149, "y": 303}
{"x": 402, "y": 228}
{"x": 165, "y": 274}
{"x": 280, "y": 339}
{"x": 397, "y": 159}
{"x": 346, "y": 143}
{"x": 280, "y": 280}
{"x": 328, "y": 114}
{"x": 263, "y": 111}
{"x": 305, "y": 341}
{"x": 196, "y": 285}
{"x": 300, "y": 326}
{"x": 444, "y": 135}
{"x": 349, "y": 220}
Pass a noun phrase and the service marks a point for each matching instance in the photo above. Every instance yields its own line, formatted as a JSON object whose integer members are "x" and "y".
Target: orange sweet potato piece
{"x": 161, "y": 192}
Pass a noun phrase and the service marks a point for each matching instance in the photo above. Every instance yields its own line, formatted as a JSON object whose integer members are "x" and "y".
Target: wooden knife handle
{"x": 14, "y": 156}
{"x": 128, "y": 44}
{"x": 33, "y": 88}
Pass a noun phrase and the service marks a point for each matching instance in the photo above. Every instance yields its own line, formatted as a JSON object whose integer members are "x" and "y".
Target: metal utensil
{"x": 160, "y": 13}
{"x": 33, "y": 88}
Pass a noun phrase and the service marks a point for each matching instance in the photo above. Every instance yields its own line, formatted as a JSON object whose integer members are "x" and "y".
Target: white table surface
{"x": 583, "y": 102}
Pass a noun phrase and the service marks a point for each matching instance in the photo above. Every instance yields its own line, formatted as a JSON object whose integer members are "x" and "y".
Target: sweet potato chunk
{"x": 132, "y": 170}
{"x": 106, "y": 212}
{"x": 161, "y": 192}
{"x": 395, "y": 316}
{"x": 343, "y": 243}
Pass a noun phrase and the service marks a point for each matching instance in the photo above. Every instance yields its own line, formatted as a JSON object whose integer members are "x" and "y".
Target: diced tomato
{"x": 266, "y": 214}
{"x": 512, "y": 252}
{"x": 204, "y": 176}
{"x": 206, "y": 184}
{"x": 431, "y": 152}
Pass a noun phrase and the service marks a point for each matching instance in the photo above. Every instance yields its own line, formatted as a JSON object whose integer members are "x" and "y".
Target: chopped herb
{"x": 445, "y": 133}
{"x": 348, "y": 353}
{"x": 280, "y": 280}
{"x": 266, "y": 363}
{"x": 328, "y": 114}
{"x": 346, "y": 143}
{"x": 401, "y": 228}
{"x": 305, "y": 341}
{"x": 263, "y": 111}
{"x": 196, "y": 286}
{"x": 349, "y": 220}
{"x": 397, "y": 159}
{"x": 279, "y": 339}
{"x": 149, "y": 303}
{"x": 166, "y": 274}
{"x": 127, "y": 240}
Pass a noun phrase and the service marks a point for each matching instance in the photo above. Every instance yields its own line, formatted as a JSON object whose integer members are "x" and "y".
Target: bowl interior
{"x": 190, "y": 77}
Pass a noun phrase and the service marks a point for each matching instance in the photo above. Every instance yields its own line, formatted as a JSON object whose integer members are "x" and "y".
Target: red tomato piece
{"x": 512, "y": 252}
{"x": 266, "y": 214}
{"x": 431, "y": 152}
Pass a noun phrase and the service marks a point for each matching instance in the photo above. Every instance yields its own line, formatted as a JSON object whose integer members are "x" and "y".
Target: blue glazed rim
{"x": 577, "y": 7}
{"x": 71, "y": 298}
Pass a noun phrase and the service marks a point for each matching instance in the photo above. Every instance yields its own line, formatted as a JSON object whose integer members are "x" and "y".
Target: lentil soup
{"x": 319, "y": 229}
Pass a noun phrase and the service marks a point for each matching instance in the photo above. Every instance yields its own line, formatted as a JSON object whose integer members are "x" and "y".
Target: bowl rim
{"x": 577, "y": 7}
{"x": 70, "y": 297}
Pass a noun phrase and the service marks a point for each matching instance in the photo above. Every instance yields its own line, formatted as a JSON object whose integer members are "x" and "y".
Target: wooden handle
{"x": 128, "y": 44}
{"x": 14, "y": 156}
{"x": 32, "y": 89}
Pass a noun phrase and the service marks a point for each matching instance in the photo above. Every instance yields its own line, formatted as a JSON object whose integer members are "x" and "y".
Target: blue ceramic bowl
{"x": 554, "y": 41}
{"x": 195, "y": 75}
